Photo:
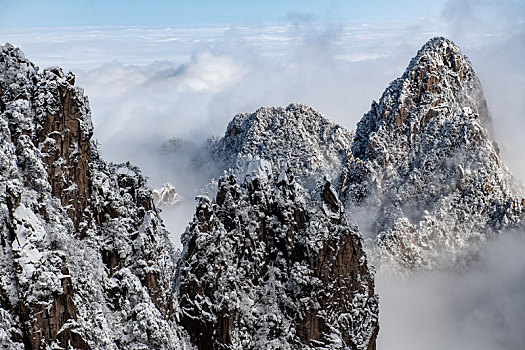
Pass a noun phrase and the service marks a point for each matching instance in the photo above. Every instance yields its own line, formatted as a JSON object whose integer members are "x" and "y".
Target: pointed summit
{"x": 440, "y": 66}
{"x": 439, "y": 80}
{"x": 424, "y": 161}
{"x": 441, "y": 52}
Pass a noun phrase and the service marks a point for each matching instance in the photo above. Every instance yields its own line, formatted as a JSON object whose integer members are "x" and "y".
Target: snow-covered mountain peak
{"x": 440, "y": 51}
{"x": 166, "y": 196}
{"x": 297, "y": 136}
{"x": 9, "y": 50}
{"x": 438, "y": 81}
{"x": 424, "y": 164}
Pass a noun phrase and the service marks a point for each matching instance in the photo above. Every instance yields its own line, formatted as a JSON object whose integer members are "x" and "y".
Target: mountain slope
{"x": 272, "y": 261}
{"x": 424, "y": 167}
{"x": 266, "y": 265}
{"x": 86, "y": 262}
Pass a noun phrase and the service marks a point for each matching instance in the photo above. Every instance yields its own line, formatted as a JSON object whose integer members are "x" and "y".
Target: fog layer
{"x": 337, "y": 69}
{"x": 478, "y": 308}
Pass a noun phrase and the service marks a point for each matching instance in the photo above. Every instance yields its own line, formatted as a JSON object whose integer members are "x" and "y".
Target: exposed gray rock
{"x": 266, "y": 265}
{"x": 424, "y": 169}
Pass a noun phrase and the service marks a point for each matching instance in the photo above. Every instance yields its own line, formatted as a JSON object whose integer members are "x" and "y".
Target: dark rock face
{"x": 64, "y": 139}
{"x": 266, "y": 265}
{"x": 46, "y": 322}
{"x": 424, "y": 165}
{"x": 85, "y": 261}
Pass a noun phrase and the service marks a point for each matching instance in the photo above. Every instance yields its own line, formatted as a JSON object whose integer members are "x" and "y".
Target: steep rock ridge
{"x": 297, "y": 136}
{"x": 64, "y": 140}
{"x": 61, "y": 133}
{"x": 424, "y": 166}
{"x": 85, "y": 261}
{"x": 266, "y": 265}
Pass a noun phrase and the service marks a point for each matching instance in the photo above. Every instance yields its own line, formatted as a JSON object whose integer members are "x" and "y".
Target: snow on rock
{"x": 264, "y": 267}
{"x": 28, "y": 229}
{"x": 272, "y": 262}
{"x": 258, "y": 169}
{"x": 85, "y": 260}
{"x": 424, "y": 167}
{"x": 166, "y": 196}
{"x": 297, "y": 136}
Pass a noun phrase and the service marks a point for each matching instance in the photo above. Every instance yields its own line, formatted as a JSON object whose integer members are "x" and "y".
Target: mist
{"x": 137, "y": 108}
{"x": 492, "y": 34}
{"x": 481, "y": 307}
{"x": 147, "y": 85}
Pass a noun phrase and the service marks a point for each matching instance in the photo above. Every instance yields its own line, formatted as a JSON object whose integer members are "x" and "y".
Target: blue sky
{"x": 45, "y": 13}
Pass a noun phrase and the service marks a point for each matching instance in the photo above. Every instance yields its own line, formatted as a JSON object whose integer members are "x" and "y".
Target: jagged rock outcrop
{"x": 424, "y": 166}
{"x": 85, "y": 260}
{"x": 268, "y": 265}
{"x": 272, "y": 262}
{"x": 166, "y": 196}
{"x": 297, "y": 136}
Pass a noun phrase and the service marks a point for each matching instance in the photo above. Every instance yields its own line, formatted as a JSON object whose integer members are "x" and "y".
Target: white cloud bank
{"x": 479, "y": 308}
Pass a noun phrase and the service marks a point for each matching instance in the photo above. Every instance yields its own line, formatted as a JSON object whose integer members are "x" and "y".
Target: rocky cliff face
{"x": 424, "y": 167}
{"x": 85, "y": 261}
{"x": 267, "y": 265}
{"x": 272, "y": 262}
